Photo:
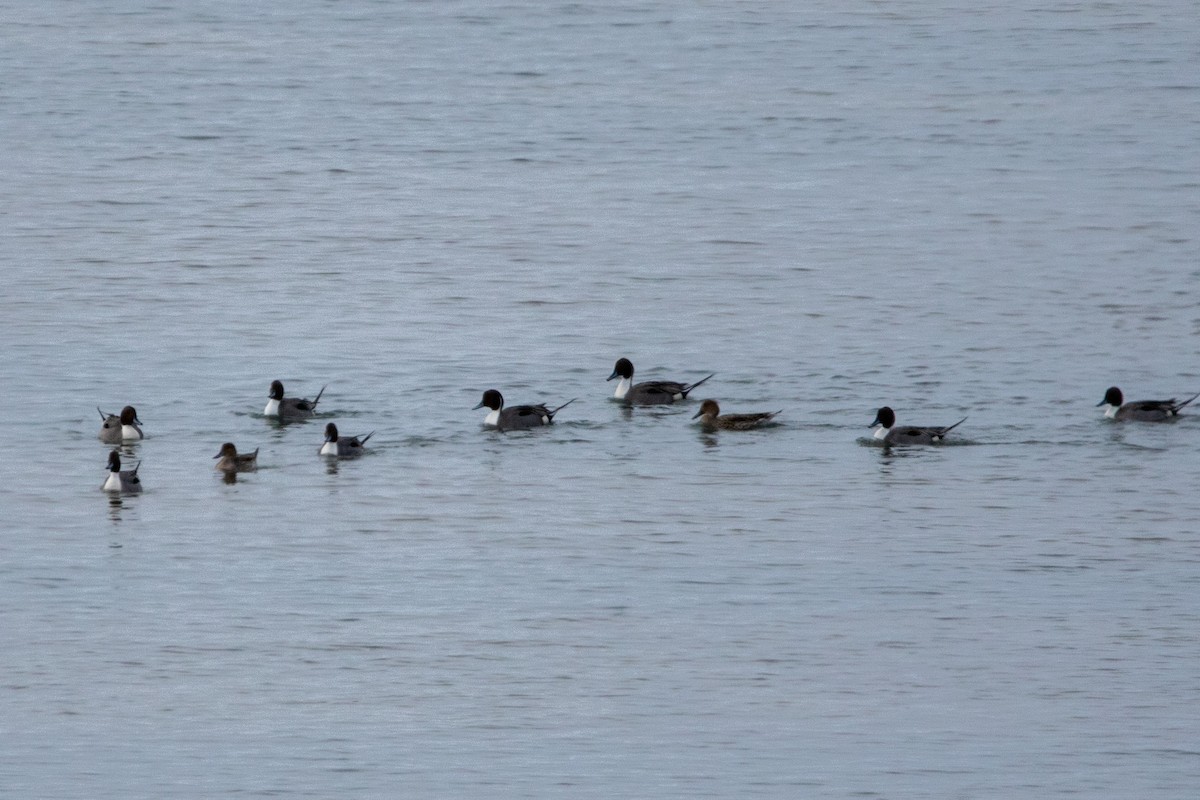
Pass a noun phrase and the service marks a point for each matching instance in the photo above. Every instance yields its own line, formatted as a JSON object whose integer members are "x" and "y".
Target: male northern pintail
{"x": 907, "y": 434}
{"x": 125, "y": 482}
{"x": 123, "y": 427}
{"x": 289, "y": 407}
{"x": 1141, "y": 410}
{"x": 516, "y": 418}
{"x": 648, "y": 393}
{"x": 343, "y": 446}
{"x": 711, "y": 417}
{"x": 232, "y": 461}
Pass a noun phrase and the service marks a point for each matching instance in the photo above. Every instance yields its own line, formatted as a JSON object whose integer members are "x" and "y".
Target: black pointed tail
{"x": 1185, "y": 402}
{"x": 952, "y": 427}
{"x": 560, "y": 408}
{"x": 687, "y": 389}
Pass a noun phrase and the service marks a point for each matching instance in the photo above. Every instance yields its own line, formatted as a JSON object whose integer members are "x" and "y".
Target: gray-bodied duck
{"x": 343, "y": 446}
{"x": 1140, "y": 410}
{"x": 123, "y": 427}
{"x": 123, "y": 481}
{"x": 289, "y": 407}
{"x": 891, "y": 434}
{"x": 648, "y": 393}
{"x": 516, "y": 418}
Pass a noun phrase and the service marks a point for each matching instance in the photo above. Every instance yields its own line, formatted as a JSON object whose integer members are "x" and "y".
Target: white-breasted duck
{"x": 1140, "y": 410}
{"x": 289, "y": 407}
{"x": 342, "y": 446}
{"x": 516, "y": 418}
{"x": 891, "y": 434}
{"x": 123, "y": 481}
{"x": 648, "y": 393}
{"x": 123, "y": 427}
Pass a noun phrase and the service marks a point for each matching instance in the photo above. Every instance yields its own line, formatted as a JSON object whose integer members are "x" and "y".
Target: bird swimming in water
{"x": 1140, "y": 410}
{"x": 648, "y": 393}
{"x": 232, "y": 461}
{"x": 289, "y": 408}
{"x": 516, "y": 418}
{"x": 123, "y": 481}
{"x": 342, "y": 446}
{"x": 123, "y": 427}
{"x": 711, "y": 417}
{"x": 907, "y": 434}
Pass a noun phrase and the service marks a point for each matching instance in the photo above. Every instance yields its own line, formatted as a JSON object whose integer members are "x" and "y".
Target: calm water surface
{"x": 953, "y": 209}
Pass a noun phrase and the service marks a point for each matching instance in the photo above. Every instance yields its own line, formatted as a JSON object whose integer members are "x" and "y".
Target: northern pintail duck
{"x": 123, "y": 427}
{"x": 232, "y": 461}
{"x": 907, "y": 434}
{"x": 648, "y": 393}
{"x": 516, "y": 418}
{"x": 711, "y": 417}
{"x": 1141, "y": 410}
{"x": 289, "y": 407}
{"x": 342, "y": 446}
{"x": 123, "y": 481}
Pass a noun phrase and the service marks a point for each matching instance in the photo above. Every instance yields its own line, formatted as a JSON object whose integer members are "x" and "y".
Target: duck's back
{"x": 524, "y": 417}
{"x": 1148, "y": 410}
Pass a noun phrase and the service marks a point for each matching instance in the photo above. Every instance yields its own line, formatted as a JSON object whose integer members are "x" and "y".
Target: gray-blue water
{"x": 955, "y": 209}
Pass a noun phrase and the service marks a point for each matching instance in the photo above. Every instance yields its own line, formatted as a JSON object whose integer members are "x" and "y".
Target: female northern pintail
{"x": 123, "y": 427}
{"x": 125, "y": 482}
{"x": 342, "y": 446}
{"x": 648, "y": 393}
{"x": 711, "y": 417}
{"x": 516, "y": 418}
{"x": 232, "y": 461}
{"x": 289, "y": 407}
{"x": 907, "y": 434}
{"x": 1141, "y": 410}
